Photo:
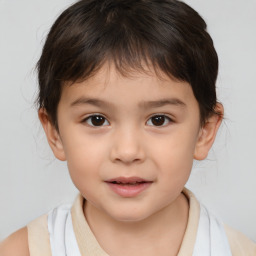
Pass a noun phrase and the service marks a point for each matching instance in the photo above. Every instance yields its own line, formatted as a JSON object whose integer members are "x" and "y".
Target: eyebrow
{"x": 143, "y": 104}
{"x": 162, "y": 102}
{"x": 91, "y": 101}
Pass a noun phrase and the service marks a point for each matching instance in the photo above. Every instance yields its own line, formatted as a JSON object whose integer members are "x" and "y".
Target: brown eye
{"x": 96, "y": 120}
{"x": 159, "y": 120}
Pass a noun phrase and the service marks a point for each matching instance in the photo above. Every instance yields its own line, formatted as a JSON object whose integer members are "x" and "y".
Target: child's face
{"x": 147, "y": 131}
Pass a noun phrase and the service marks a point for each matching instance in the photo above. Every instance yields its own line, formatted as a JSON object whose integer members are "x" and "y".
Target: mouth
{"x": 128, "y": 186}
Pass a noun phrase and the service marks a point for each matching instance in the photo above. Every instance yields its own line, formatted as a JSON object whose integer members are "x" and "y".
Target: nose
{"x": 127, "y": 147}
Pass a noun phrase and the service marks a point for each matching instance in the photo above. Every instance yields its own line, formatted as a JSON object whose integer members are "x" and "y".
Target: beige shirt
{"x": 39, "y": 244}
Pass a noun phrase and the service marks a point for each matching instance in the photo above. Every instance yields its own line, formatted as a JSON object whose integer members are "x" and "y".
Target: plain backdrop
{"x": 32, "y": 182}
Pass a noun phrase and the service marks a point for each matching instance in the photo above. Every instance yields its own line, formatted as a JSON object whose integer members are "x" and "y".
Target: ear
{"x": 52, "y": 135}
{"x": 208, "y": 133}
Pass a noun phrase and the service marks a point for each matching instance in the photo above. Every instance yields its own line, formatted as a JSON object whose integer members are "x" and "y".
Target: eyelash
{"x": 166, "y": 118}
{"x": 89, "y": 119}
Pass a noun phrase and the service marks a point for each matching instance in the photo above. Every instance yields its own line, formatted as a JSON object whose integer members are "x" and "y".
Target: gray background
{"x": 32, "y": 182}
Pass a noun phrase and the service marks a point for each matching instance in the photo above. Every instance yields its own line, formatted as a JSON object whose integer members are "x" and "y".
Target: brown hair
{"x": 167, "y": 34}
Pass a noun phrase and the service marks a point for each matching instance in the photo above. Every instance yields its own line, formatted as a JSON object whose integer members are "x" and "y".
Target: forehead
{"x": 130, "y": 89}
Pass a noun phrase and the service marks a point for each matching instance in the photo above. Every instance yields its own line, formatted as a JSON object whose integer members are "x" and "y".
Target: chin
{"x": 130, "y": 216}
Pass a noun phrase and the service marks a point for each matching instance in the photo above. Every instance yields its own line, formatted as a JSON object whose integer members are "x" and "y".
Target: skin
{"x": 15, "y": 244}
{"x": 128, "y": 143}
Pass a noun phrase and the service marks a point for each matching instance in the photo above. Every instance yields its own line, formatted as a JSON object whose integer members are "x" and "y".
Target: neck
{"x": 121, "y": 238}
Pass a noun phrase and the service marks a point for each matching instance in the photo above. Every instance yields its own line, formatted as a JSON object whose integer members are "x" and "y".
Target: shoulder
{"x": 28, "y": 241}
{"x": 16, "y": 244}
{"x": 38, "y": 236}
{"x": 240, "y": 245}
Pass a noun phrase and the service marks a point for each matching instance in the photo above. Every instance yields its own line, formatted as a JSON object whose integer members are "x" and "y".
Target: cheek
{"x": 84, "y": 157}
{"x": 83, "y": 148}
{"x": 174, "y": 155}
{"x": 177, "y": 147}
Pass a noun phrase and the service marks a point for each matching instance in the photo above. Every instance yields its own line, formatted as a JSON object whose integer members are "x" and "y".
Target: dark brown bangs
{"x": 165, "y": 35}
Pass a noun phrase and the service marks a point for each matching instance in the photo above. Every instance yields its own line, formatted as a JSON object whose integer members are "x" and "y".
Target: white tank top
{"x": 211, "y": 238}
{"x": 62, "y": 237}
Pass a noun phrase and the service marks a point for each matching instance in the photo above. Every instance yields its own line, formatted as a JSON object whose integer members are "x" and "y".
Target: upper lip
{"x": 127, "y": 180}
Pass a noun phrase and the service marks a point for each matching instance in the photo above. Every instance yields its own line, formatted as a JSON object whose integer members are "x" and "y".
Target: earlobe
{"x": 208, "y": 133}
{"x": 52, "y": 135}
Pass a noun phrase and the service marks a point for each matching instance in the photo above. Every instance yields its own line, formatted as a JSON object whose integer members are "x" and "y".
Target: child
{"x": 127, "y": 98}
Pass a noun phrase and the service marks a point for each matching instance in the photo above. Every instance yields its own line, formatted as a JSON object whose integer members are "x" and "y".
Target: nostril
{"x": 127, "y": 150}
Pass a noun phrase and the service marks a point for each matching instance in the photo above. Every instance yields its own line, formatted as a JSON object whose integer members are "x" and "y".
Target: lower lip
{"x": 129, "y": 190}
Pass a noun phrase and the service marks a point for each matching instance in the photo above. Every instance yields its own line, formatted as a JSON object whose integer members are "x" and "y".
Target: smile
{"x": 128, "y": 187}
